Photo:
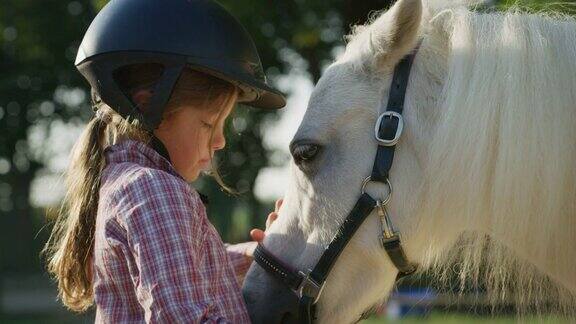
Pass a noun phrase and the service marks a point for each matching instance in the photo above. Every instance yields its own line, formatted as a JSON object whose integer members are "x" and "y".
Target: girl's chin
{"x": 203, "y": 164}
{"x": 194, "y": 174}
{"x": 191, "y": 177}
{"x": 201, "y": 167}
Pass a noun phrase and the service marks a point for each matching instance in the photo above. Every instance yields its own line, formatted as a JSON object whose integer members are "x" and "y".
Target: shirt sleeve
{"x": 240, "y": 262}
{"x": 165, "y": 237}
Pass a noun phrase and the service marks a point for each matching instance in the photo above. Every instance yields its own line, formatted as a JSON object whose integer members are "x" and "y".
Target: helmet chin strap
{"x": 152, "y": 116}
{"x": 158, "y": 146}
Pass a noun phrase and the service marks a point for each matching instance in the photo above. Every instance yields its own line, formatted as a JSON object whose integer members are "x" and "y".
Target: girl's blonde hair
{"x": 69, "y": 248}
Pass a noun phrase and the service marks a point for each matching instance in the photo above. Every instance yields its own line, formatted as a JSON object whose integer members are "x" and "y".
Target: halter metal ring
{"x": 387, "y": 199}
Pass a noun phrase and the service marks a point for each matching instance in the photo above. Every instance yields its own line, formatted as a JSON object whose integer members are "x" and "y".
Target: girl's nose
{"x": 218, "y": 141}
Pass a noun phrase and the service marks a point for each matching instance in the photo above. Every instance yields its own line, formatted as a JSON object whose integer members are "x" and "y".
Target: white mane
{"x": 501, "y": 160}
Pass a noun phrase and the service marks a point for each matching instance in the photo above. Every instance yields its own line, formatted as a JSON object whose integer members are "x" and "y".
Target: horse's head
{"x": 333, "y": 152}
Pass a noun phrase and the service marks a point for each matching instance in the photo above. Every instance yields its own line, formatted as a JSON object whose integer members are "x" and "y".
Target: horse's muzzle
{"x": 268, "y": 301}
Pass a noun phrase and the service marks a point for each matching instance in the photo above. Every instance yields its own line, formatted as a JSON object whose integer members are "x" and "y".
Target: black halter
{"x": 308, "y": 285}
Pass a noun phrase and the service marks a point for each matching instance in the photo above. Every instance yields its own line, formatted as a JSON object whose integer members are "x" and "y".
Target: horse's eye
{"x": 304, "y": 152}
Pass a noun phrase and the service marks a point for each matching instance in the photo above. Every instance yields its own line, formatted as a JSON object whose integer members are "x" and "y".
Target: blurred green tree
{"x": 37, "y": 50}
{"x": 566, "y": 6}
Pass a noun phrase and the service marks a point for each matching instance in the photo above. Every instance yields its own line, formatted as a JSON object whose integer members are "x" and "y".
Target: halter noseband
{"x": 309, "y": 285}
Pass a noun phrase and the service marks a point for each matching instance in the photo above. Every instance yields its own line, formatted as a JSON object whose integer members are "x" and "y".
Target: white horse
{"x": 484, "y": 175}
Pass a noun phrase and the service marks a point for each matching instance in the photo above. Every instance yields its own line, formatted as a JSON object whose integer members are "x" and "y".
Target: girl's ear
{"x": 141, "y": 98}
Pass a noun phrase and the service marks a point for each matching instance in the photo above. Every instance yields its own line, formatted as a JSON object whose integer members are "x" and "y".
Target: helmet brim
{"x": 268, "y": 98}
{"x": 255, "y": 91}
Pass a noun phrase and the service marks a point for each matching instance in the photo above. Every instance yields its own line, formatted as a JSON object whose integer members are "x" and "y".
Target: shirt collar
{"x": 129, "y": 150}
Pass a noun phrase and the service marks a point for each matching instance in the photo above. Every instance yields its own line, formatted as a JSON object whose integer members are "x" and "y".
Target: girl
{"x": 133, "y": 237}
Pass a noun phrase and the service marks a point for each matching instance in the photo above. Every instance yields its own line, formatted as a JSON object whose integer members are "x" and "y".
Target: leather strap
{"x": 398, "y": 257}
{"x": 385, "y": 154}
{"x": 306, "y": 310}
{"x": 364, "y": 207}
{"x": 397, "y": 94}
{"x": 281, "y": 271}
{"x": 389, "y": 126}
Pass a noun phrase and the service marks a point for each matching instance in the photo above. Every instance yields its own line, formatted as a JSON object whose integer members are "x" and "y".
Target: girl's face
{"x": 191, "y": 137}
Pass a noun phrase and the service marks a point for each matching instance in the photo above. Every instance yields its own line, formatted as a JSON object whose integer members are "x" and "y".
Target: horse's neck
{"x": 452, "y": 201}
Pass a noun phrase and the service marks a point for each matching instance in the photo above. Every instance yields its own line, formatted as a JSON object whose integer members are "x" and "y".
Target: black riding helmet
{"x": 199, "y": 34}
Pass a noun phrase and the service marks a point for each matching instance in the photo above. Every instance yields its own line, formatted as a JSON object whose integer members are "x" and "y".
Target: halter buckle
{"x": 384, "y": 141}
{"x": 385, "y": 241}
{"x": 309, "y": 287}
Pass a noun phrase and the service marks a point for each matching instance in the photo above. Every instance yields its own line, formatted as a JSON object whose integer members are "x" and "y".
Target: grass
{"x": 434, "y": 318}
{"x": 46, "y": 319}
{"x": 452, "y": 318}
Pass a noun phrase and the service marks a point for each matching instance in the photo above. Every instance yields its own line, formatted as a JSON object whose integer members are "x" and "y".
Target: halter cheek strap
{"x": 309, "y": 285}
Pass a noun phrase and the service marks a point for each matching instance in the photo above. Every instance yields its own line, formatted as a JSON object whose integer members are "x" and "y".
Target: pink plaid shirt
{"x": 157, "y": 258}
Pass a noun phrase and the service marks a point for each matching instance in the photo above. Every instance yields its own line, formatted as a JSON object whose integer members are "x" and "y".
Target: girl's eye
{"x": 207, "y": 125}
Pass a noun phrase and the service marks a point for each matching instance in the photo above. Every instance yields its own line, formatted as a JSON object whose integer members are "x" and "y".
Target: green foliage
{"x": 467, "y": 318}
{"x": 37, "y": 49}
{"x": 566, "y": 6}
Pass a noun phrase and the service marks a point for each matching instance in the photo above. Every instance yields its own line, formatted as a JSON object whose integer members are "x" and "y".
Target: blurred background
{"x": 44, "y": 105}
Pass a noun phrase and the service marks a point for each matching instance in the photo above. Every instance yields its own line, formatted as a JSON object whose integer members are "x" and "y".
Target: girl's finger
{"x": 270, "y": 219}
{"x": 257, "y": 235}
{"x": 278, "y": 204}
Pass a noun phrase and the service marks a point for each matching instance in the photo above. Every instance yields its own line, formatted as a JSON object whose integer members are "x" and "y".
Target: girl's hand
{"x": 258, "y": 234}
